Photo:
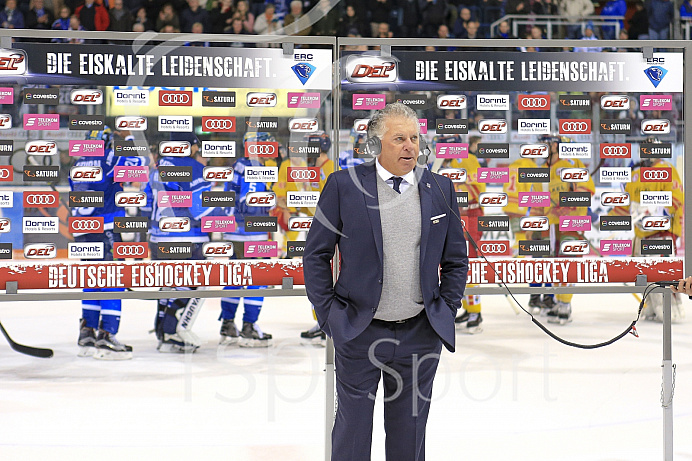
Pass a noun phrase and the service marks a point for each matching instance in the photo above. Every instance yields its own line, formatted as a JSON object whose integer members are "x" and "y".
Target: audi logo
{"x": 85, "y": 224}
{"x": 534, "y": 102}
{"x": 302, "y": 173}
{"x": 175, "y": 98}
{"x": 130, "y": 250}
{"x": 656, "y": 174}
{"x": 580, "y": 127}
{"x": 218, "y": 124}
{"x": 40, "y": 199}
{"x": 493, "y": 248}
{"x": 616, "y": 151}
{"x": 260, "y": 149}
{"x": 5, "y": 173}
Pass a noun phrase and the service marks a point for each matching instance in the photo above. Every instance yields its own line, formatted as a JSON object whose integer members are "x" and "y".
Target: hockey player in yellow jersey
{"x": 471, "y": 317}
{"x": 513, "y": 188}
{"x": 561, "y": 313}
{"x": 666, "y": 219}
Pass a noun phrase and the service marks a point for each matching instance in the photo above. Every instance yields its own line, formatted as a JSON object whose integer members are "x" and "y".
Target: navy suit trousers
{"x": 405, "y": 355}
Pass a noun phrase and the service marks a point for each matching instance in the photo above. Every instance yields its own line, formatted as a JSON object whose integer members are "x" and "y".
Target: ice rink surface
{"x": 509, "y": 393}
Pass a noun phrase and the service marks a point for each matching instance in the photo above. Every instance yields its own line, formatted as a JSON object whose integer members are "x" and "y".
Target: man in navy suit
{"x": 403, "y": 265}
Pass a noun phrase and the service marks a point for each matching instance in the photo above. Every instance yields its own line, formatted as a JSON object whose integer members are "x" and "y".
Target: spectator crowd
{"x": 638, "y": 19}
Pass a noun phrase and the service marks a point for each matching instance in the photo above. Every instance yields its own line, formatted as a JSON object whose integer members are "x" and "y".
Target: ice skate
{"x": 109, "y": 348}
{"x": 536, "y": 304}
{"x": 561, "y": 314}
{"x": 314, "y": 336}
{"x": 473, "y": 324}
{"x": 252, "y": 336}
{"x": 87, "y": 340}
{"x": 175, "y": 344}
{"x": 229, "y": 333}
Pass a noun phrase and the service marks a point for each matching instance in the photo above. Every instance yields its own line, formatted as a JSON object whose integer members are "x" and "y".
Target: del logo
{"x": 302, "y": 125}
{"x": 533, "y": 102}
{"x": 217, "y": 250}
{"x": 492, "y": 126}
{"x": 368, "y": 101}
{"x": 131, "y": 123}
{"x": 87, "y": 148}
{"x": 136, "y": 199}
{"x": 534, "y": 151}
{"x": 457, "y": 175}
{"x": 131, "y": 174}
{"x": 13, "y": 62}
{"x": 495, "y": 247}
{"x": 575, "y": 126}
{"x": 86, "y": 97}
{"x": 86, "y": 173}
{"x": 574, "y": 174}
{"x": 534, "y": 223}
{"x": 40, "y": 251}
{"x": 360, "y": 125}
{"x": 218, "y": 224}
{"x": 615, "y": 102}
{"x": 175, "y": 98}
{"x": 616, "y": 247}
{"x": 303, "y": 100}
{"x": 371, "y": 69}
{"x": 655, "y": 75}
{"x": 493, "y": 175}
{"x": 574, "y": 248}
{"x": 5, "y": 225}
{"x": 451, "y": 101}
{"x": 218, "y": 173}
{"x": 649, "y": 174}
{"x": 175, "y": 148}
{"x": 499, "y": 199}
{"x": 174, "y": 224}
{"x": 303, "y": 71}
{"x": 5, "y": 121}
{"x": 174, "y": 199}
{"x": 41, "y": 148}
{"x": 261, "y": 249}
{"x": 615, "y": 199}
{"x": 299, "y": 223}
{"x": 261, "y": 99}
{"x": 655, "y": 127}
{"x": 451, "y": 150}
{"x": 263, "y": 199}
{"x": 655, "y": 223}
{"x": 90, "y": 225}
{"x": 575, "y": 223}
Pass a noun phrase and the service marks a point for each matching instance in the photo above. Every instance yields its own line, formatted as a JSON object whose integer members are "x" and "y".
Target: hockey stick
{"x": 27, "y": 350}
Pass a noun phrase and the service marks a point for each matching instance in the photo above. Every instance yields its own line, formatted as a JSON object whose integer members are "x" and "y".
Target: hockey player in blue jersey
{"x": 250, "y": 335}
{"x": 101, "y": 318}
{"x": 173, "y": 335}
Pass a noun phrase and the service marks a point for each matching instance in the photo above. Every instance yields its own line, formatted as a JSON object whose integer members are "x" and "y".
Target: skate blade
{"x": 86, "y": 351}
{"x": 472, "y": 330}
{"x": 166, "y": 348}
{"x": 228, "y": 341}
{"x": 256, "y": 343}
{"x": 105, "y": 354}
{"x": 313, "y": 342}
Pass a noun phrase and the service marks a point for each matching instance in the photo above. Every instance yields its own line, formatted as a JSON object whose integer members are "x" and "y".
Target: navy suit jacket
{"x": 348, "y": 217}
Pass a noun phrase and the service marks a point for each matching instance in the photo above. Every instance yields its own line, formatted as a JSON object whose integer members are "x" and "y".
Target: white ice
{"x": 507, "y": 394}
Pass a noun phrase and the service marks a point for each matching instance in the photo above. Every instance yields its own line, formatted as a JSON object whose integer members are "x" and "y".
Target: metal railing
{"x": 549, "y": 22}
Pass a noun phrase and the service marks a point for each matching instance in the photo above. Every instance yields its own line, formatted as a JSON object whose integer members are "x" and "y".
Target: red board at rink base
{"x": 573, "y": 270}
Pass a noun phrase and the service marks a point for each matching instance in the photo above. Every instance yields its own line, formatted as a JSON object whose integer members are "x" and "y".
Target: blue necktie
{"x": 397, "y": 182}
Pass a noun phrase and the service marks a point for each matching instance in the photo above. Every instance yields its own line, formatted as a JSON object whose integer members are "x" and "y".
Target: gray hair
{"x": 377, "y": 128}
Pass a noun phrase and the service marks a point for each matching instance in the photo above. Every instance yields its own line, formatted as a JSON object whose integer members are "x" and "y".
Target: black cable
{"x": 630, "y": 329}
